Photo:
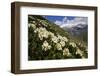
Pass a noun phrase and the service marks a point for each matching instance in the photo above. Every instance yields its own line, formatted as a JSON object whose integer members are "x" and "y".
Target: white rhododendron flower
{"x": 79, "y": 52}
{"x": 42, "y": 32}
{"x": 80, "y": 44}
{"x": 46, "y": 46}
{"x": 33, "y": 22}
{"x": 65, "y": 39}
{"x": 62, "y": 43}
{"x": 62, "y": 38}
{"x": 66, "y": 52}
{"x": 32, "y": 25}
{"x": 58, "y": 46}
{"x": 72, "y": 44}
{"x": 40, "y": 36}
{"x": 59, "y": 37}
{"x": 54, "y": 39}
{"x": 36, "y": 30}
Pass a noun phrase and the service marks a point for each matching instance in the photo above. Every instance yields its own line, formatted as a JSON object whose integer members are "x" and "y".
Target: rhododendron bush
{"x": 46, "y": 41}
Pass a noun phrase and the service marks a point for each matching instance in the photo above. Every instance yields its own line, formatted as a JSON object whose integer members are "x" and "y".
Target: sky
{"x": 67, "y": 21}
{"x": 59, "y": 18}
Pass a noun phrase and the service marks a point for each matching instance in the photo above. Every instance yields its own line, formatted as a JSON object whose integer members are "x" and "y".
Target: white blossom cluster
{"x": 42, "y": 32}
{"x": 66, "y": 52}
{"x": 58, "y": 40}
{"x": 79, "y": 52}
{"x": 32, "y": 25}
{"x": 72, "y": 44}
{"x": 46, "y": 46}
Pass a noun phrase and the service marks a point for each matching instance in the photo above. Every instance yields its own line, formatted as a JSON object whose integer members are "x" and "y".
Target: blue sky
{"x": 59, "y": 18}
{"x": 68, "y": 21}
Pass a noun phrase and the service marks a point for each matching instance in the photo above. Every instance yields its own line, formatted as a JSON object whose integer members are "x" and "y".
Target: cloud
{"x": 65, "y": 20}
{"x": 58, "y": 22}
{"x": 73, "y": 22}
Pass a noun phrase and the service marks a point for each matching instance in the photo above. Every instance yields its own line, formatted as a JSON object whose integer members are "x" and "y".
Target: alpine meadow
{"x": 57, "y": 37}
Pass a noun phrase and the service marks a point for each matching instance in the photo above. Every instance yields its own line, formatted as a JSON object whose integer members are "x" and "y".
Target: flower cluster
{"x": 42, "y": 32}
{"x": 32, "y": 25}
{"x": 58, "y": 46}
{"x": 54, "y": 39}
{"x": 79, "y": 52}
{"x": 59, "y": 40}
{"x": 46, "y": 46}
{"x": 72, "y": 44}
{"x": 66, "y": 52}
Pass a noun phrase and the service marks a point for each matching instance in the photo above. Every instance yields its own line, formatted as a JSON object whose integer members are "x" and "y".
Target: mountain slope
{"x": 46, "y": 41}
{"x": 80, "y": 31}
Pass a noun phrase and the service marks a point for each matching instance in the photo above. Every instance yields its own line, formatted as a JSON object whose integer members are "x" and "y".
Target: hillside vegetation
{"x": 48, "y": 41}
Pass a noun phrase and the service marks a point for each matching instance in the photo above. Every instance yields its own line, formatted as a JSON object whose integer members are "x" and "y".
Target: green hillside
{"x": 46, "y": 41}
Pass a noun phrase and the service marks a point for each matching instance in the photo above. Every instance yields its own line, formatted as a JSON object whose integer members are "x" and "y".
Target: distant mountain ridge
{"x": 80, "y": 31}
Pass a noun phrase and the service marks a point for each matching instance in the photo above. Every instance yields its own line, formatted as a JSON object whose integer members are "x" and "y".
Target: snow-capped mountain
{"x": 79, "y": 31}
{"x": 77, "y": 27}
